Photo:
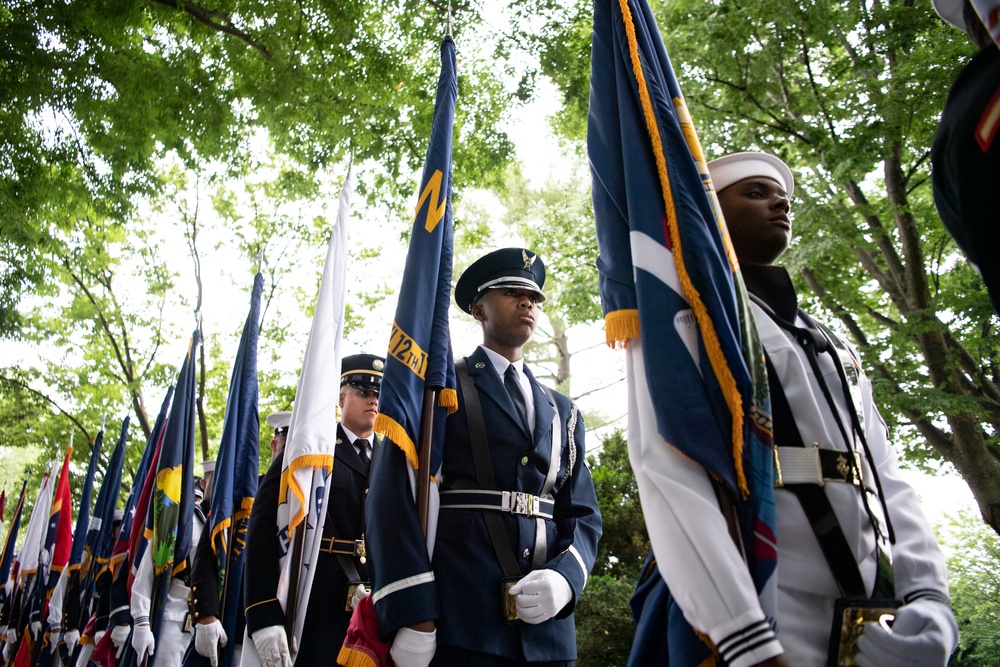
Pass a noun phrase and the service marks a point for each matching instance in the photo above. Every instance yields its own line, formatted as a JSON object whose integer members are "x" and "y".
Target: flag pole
{"x": 298, "y": 539}
{"x": 424, "y": 459}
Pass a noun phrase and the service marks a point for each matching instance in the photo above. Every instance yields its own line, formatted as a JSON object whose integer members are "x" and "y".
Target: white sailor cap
{"x": 729, "y": 169}
{"x": 279, "y": 421}
{"x": 952, "y": 11}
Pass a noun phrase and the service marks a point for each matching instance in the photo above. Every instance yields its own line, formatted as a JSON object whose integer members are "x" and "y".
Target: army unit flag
{"x": 419, "y": 355}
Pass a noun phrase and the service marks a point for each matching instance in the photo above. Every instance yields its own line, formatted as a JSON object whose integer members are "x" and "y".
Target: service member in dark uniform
{"x": 342, "y": 562}
{"x": 966, "y": 152}
{"x": 279, "y": 421}
{"x": 518, "y": 527}
{"x": 209, "y": 634}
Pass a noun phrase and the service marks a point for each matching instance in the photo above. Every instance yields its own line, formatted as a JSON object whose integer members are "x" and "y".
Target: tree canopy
{"x": 849, "y": 95}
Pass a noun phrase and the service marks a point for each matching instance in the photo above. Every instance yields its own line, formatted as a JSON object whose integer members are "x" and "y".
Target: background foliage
{"x": 141, "y": 140}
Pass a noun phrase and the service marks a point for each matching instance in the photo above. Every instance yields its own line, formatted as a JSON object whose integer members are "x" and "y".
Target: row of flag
{"x": 65, "y": 586}
{"x": 663, "y": 253}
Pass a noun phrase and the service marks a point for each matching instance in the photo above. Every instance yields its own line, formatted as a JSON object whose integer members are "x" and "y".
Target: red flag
{"x": 62, "y": 505}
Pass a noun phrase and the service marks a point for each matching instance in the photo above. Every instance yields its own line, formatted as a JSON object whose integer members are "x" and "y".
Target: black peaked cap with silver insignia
{"x": 362, "y": 371}
{"x": 519, "y": 268}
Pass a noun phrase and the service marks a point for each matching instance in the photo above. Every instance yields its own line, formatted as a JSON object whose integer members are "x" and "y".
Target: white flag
{"x": 312, "y": 434}
{"x": 34, "y": 538}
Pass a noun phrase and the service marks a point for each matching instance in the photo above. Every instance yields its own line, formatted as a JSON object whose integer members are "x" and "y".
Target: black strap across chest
{"x": 484, "y": 469}
{"x": 813, "y": 499}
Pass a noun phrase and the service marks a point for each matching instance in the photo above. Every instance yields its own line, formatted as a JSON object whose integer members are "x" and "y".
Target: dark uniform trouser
{"x": 448, "y": 656}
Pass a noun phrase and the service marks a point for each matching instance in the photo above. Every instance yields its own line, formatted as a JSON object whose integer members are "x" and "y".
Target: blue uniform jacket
{"x": 461, "y": 589}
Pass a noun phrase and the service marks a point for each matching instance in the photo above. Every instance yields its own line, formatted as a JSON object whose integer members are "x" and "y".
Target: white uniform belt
{"x": 815, "y": 465}
{"x": 178, "y": 589}
{"x": 512, "y": 502}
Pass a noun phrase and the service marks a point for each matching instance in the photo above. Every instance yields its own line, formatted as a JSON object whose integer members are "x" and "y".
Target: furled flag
{"x": 58, "y": 544}
{"x": 68, "y": 585}
{"x": 27, "y": 563}
{"x": 7, "y": 581}
{"x": 419, "y": 365}
{"x": 3, "y": 504}
{"x": 100, "y": 534}
{"x": 234, "y": 484}
{"x": 11, "y": 539}
{"x": 308, "y": 456}
{"x": 671, "y": 290}
{"x": 419, "y": 355}
{"x": 93, "y": 553}
{"x": 170, "y": 518}
{"x": 134, "y": 525}
{"x": 122, "y": 553}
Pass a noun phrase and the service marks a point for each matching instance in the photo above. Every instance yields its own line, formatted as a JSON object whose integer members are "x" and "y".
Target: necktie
{"x": 514, "y": 389}
{"x": 363, "y": 452}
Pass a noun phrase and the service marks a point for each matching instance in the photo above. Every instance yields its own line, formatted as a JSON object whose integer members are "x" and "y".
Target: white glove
{"x": 98, "y": 636}
{"x": 924, "y": 634}
{"x": 119, "y": 635}
{"x": 412, "y": 648}
{"x": 272, "y": 645}
{"x": 359, "y": 594}
{"x": 207, "y": 637}
{"x": 36, "y": 628}
{"x": 9, "y": 646}
{"x": 71, "y": 639}
{"x": 53, "y": 642}
{"x": 540, "y": 595}
{"x": 142, "y": 640}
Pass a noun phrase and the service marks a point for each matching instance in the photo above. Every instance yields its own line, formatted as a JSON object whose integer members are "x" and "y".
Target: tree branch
{"x": 216, "y": 20}
{"x": 24, "y": 386}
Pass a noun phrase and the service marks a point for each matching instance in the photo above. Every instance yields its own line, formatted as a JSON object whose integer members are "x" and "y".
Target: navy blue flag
{"x": 83, "y": 518}
{"x": 11, "y": 540}
{"x": 121, "y": 551}
{"x": 419, "y": 355}
{"x": 99, "y": 536}
{"x": 234, "y": 485}
{"x": 125, "y": 550}
{"x": 671, "y": 290}
{"x": 171, "y": 508}
{"x": 98, "y": 542}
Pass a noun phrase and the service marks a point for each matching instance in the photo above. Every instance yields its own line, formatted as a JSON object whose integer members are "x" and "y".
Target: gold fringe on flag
{"x": 395, "y": 432}
{"x": 355, "y": 657}
{"x": 448, "y": 399}
{"x": 712, "y": 345}
{"x": 620, "y": 326}
{"x": 289, "y": 483}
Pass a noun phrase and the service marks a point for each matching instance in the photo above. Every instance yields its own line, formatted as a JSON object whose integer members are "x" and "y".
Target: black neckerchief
{"x": 772, "y": 285}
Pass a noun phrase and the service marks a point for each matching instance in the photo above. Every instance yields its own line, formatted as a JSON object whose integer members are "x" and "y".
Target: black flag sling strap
{"x": 485, "y": 496}
{"x": 812, "y": 497}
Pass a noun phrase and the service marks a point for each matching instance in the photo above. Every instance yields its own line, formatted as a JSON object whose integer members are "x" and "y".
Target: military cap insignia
{"x": 377, "y": 364}
{"x": 528, "y": 261}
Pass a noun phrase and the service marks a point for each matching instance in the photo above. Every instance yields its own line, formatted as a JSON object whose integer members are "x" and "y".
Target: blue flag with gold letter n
{"x": 419, "y": 355}
{"x": 673, "y": 297}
